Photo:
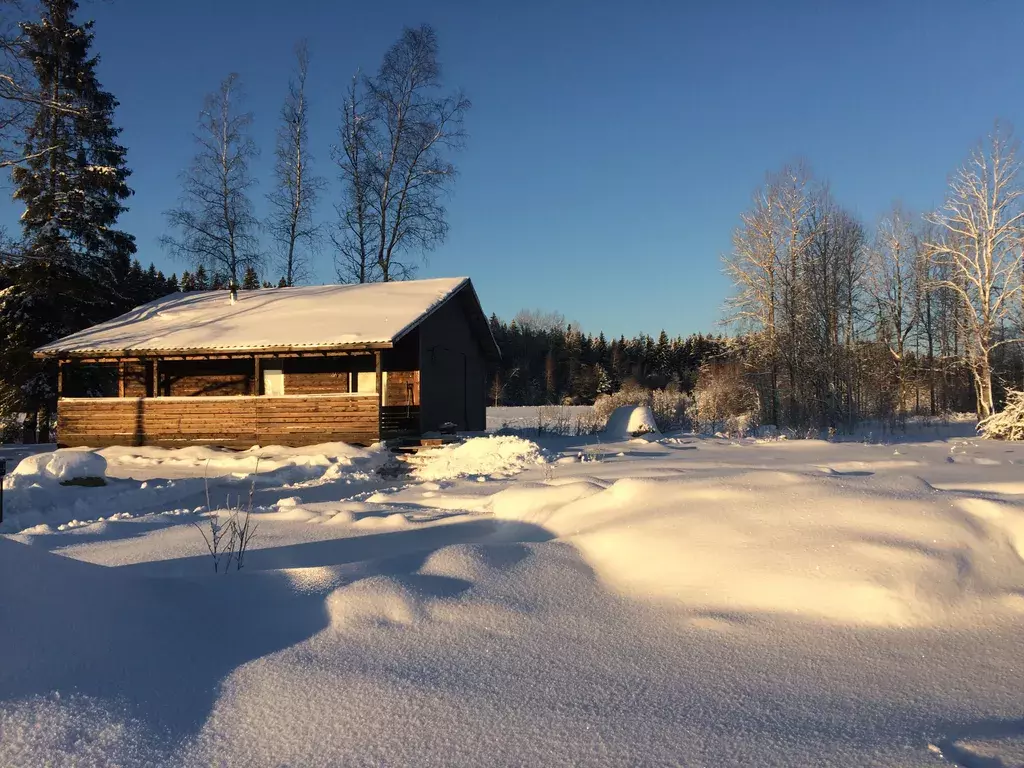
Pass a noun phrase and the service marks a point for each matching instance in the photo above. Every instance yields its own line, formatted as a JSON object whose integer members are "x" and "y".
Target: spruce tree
{"x": 73, "y": 182}
{"x": 251, "y": 281}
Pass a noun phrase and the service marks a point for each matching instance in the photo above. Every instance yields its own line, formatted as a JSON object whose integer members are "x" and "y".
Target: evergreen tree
{"x": 251, "y": 281}
{"x": 201, "y": 280}
{"x": 73, "y": 182}
{"x": 154, "y": 284}
{"x": 662, "y": 362}
{"x": 282, "y": 283}
{"x": 188, "y": 281}
{"x": 172, "y": 284}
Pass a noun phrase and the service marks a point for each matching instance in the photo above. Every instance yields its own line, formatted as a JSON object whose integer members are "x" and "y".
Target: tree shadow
{"x": 161, "y": 646}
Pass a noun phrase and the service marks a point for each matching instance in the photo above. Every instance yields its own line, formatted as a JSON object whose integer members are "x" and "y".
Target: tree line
{"x": 919, "y": 314}
{"x": 547, "y": 361}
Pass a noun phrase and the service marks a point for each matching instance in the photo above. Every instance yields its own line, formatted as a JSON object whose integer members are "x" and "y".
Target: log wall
{"x": 315, "y": 382}
{"x": 235, "y": 422}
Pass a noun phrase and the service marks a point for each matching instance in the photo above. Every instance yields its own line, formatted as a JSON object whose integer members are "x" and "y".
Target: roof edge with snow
{"x": 310, "y": 319}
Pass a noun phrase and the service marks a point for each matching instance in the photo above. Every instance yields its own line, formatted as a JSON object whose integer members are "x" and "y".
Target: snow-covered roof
{"x": 326, "y": 316}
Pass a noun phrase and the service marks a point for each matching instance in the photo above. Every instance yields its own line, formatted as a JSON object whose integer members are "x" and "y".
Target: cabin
{"x": 279, "y": 366}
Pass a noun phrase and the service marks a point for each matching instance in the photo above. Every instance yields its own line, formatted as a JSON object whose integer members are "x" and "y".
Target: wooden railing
{"x": 232, "y": 421}
{"x": 399, "y": 421}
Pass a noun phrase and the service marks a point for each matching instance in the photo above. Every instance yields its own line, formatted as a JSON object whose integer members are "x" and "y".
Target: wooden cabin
{"x": 279, "y": 366}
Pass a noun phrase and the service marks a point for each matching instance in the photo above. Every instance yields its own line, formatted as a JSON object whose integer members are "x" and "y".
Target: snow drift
{"x": 844, "y": 557}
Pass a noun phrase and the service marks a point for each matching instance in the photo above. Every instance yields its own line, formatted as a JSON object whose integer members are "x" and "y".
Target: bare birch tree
{"x": 401, "y": 129}
{"x": 215, "y": 224}
{"x": 292, "y": 201}
{"x": 980, "y": 242}
{"x": 752, "y": 267}
{"x": 355, "y": 260}
{"x": 895, "y": 290}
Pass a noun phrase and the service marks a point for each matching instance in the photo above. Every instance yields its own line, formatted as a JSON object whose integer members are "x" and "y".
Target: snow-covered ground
{"x": 668, "y": 601}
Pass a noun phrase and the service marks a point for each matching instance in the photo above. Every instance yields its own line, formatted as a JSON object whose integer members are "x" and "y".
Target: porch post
{"x": 257, "y": 384}
{"x": 60, "y": 379}
{"x": 380, "y": 379}
{"x": 120, "y": 378}
{"x": 156, "y": 377}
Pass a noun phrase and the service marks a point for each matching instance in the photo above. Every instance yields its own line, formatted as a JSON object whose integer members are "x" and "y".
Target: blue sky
{"x": 612, "y": 145}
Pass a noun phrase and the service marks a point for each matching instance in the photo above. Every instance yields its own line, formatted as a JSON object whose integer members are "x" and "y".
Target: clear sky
{"x": 613, "y": 145}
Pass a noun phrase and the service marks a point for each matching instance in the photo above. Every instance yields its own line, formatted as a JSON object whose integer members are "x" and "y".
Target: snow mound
{"x": 61, "y": 466}
{"x": 495, "y": 456}
{"x": 310, "y": 460}
{"x": 629, "y": 421}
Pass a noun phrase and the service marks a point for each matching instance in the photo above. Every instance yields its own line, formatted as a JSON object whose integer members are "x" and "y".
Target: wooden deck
{"x": 239, "y": 421}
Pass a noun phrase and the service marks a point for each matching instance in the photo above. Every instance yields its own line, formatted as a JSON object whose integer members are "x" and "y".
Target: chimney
{"x": 233, "y": 291}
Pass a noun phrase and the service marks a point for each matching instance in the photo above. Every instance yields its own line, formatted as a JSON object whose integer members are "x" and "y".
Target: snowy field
{"x": 581, "y": 601}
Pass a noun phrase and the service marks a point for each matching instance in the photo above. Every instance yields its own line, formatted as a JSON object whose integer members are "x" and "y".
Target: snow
{"x": 61, "y": 466}
{"x": 145, "y": 480}
{"x": 630, "y": 421}
{"x": 308, "y": 317}
{"x": 493, "y": 456}
{"x": 683, "y": 600}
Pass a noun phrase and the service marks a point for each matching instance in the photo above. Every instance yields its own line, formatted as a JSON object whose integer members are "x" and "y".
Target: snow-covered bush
{"x": 1008, "y": 424}
{"x": 629, "y": 421}
{"x": 669, "y": 408}
{"x": 723, "y": 401}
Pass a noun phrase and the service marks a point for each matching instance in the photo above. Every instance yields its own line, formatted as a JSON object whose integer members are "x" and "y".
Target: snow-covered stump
{"x": 1008, "y": 424}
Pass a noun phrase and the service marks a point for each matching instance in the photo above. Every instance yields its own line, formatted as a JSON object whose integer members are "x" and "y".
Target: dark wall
{"x": 453, "y": 372}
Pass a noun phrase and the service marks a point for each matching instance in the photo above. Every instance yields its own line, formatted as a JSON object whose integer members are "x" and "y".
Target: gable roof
{"x": 273, "y": 319}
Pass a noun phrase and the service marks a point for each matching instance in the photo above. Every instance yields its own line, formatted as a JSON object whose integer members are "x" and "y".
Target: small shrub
{"x": 723, "y": 401}
{"x": 670, "y": 408}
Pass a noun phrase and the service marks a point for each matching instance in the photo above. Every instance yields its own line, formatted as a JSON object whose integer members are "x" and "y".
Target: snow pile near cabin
{"x": 628, "y": 421}
{"x": 41, "y": 491}
{"x": 56, "y": 467}
{"x": 494, "y": 456}
{"x": 309, "y": 460}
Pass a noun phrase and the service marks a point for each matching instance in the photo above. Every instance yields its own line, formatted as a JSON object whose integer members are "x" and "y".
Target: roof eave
{"x": 70, "y": 354}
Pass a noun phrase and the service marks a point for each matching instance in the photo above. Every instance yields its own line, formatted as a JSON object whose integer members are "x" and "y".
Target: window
{"x": 273, "y": 381}
{"x": 366, "y": 382}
